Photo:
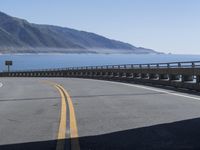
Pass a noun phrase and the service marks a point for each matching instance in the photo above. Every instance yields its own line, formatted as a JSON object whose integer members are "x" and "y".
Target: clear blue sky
{"x": 163, "y": 25}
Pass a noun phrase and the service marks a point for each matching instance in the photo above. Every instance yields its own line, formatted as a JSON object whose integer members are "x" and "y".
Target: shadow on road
{"x": 182, "y": 135}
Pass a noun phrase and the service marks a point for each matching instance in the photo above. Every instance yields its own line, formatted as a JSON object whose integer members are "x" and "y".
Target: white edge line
{"x": 154, "y": 89}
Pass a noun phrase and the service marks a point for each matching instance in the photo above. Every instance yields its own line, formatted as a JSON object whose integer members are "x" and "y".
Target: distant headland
{"x": 20, "y": 36}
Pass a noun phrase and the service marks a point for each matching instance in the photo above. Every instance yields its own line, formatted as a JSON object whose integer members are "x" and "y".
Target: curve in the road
{"x": 155, "y": 90}
{"x": 107, "y": 115}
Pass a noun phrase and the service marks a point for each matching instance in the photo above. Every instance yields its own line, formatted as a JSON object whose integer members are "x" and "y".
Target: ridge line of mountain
{"x": 19, "y": 36}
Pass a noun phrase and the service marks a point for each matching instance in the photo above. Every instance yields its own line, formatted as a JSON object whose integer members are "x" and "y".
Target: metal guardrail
{"x": 186, "y": 64}
{"x": 176, "y": 74}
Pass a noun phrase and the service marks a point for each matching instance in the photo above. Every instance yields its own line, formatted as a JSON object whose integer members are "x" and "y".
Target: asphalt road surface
{"x": 84, "y": 114}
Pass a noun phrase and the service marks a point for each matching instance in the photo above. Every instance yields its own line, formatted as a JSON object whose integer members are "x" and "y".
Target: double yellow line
{"x": 62, "y": 131}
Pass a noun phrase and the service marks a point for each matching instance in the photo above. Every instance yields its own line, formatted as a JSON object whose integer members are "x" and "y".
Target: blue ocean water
{"x": 45, "y": 61}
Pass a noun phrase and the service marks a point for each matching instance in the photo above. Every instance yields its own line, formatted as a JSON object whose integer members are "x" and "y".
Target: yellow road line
{"x": 73, "y": 125}
{"x": 62, "y": 126}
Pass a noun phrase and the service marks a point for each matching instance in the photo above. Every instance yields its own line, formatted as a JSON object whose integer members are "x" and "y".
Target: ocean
{"x": 45, "y": 61}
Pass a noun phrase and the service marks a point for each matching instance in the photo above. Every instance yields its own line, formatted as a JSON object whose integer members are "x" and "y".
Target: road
{"x": 62, "y": 113}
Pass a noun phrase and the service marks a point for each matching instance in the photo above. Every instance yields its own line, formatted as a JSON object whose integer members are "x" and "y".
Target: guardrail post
{"x": 193, "y": 65}
{"x": 179, "y": 65}
{"x": 198, "y": 79}
{"x": 132, "y": 66}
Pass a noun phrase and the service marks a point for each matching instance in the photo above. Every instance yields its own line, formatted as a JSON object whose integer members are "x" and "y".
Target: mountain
{"x": 20, "y": 36}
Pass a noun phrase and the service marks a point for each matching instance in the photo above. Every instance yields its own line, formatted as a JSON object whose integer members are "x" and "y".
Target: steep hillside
{"x": 18, "y": 35}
